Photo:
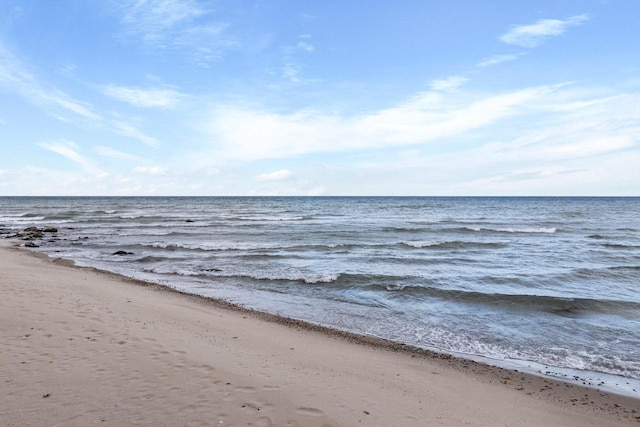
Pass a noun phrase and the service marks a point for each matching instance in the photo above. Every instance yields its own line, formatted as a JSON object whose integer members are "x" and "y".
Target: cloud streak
{"x": 115, "y": 154}
{"x": 69, "y": 150}
{"x": 499, "y": 59}
{"x": 155, "y": 19}
{"x": 449, "y": 83}
{"x": 130, "y": 131}
{"x": 278, "y": 175}
{"x": 175, "y": 24}
{"x": 151, "y": 170}
{"x": 15, "y": 78}
{"x": 422, "y": 119}
{"x": 145, "y": 98}
{"x": 535, "y": 34}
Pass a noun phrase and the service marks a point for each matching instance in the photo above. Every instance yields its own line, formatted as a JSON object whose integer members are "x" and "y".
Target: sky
{"x": 302, "y": 97}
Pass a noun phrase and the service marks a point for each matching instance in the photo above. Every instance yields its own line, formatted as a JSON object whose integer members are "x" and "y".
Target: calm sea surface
{"x": 550, "y": 285}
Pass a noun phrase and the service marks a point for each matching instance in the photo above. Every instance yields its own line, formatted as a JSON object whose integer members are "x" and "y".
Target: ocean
{"x": 545, "y": 285}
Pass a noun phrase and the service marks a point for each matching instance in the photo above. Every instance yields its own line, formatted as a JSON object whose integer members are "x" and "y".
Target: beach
{"x": 79, "y": 347}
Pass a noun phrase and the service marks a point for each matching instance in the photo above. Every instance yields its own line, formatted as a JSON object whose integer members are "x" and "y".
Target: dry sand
{"x": 80, "y": 347}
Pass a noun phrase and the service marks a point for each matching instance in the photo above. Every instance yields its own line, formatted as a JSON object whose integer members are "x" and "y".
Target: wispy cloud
{"x": 274, "y": 176}
{"x": 589, "y": 146}
{"x": 499, "y": 59}
{"x": 14, "y": 77}
{"x": 291, "y": 72}
{"x": 424, "y": 118}
{"x": 127, "y": 129}
{"x": 176, "y": 24}
{"x": 154, "y": 19}
{"x": 305, "y": 46}
{"x": 69, "y": 150}
{"x": 535, "y": 34}
{"x": 449, "y": 83}
{"x": 151, "y": 170}
{"x": 115, "y": 154}
{"x": 138, "y": 97}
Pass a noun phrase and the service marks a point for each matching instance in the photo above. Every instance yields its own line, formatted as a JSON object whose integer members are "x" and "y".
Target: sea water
{"x": 550, "y": 285}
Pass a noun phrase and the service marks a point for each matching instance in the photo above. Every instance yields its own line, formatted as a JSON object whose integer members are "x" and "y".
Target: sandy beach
{"x": 81, "y": 347}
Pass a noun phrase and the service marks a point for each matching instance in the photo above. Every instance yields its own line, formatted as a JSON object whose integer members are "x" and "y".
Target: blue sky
{"x": 277, "y": 97}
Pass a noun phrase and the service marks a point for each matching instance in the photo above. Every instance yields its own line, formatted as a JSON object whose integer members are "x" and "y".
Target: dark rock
{"x": 213, "y": 269}
{"x": 31, "y": 245}
{"x": 189, "y": 220}
{"x": 49, "y": 229}
{"x": 29, "y": 233}
{"x": 121, "y": 253}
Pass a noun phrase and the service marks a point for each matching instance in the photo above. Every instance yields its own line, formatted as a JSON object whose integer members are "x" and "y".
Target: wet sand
{"x": 81, "y": 347}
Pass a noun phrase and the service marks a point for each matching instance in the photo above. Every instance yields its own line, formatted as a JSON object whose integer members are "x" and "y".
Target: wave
{"x": 272, "y": 218}
{"x": 64, "y": 215}
{"x": 308, "y": 278}
{"x": 414, "y": 289}
{"x": 152, "y": 259}
{"x": 456, "y": 244}
{"x": 240, "y": 246}
{"x": 31, "y": 215}
{"x": 301, "y": 277}
{"x": 623, "y": 268}
{"x": 510, "y": 230}
{"x": 163, "y": 218}
{"x": 597, "y": 236}
{"x": 563, "y": 306}
{"x": 21, "y": 219}
{"x": 214, "y": 247}
{"x": 608, "y": 275}
{"x": 405, "y": 229}
{"x": 534, "y": 230}
{"x": 620, "y": 246}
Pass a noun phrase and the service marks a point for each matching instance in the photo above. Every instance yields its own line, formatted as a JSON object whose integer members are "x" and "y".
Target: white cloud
{"x": 15, "y": 78}
{"x": 110, "y": 152}
{"x": 555, "y": 140}
{"x": 151, "y": 170}
{"x": 450, "y": 83}
{"x": 176, "y": 24}
{"x": 154, "y": 18}
{"x": 291, "y": 73}
{"x": 306, "y": 46}
{"x": 422, "y": 119}
{"x": 66, "y": 102}
{"x": 274, "y": 176}
{"x": 154, "y": 97}
{"x": 591, "y": 147}
{"x": 534, "y": 34}
{"x": 69, "y": 150}
{"x": 498, "y": 59}
{"x": 131, "y": 131}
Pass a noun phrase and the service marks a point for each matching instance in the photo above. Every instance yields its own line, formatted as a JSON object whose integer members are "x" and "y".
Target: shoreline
{"x": 471, "y": 380}
{"x": 562, "y": 375}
